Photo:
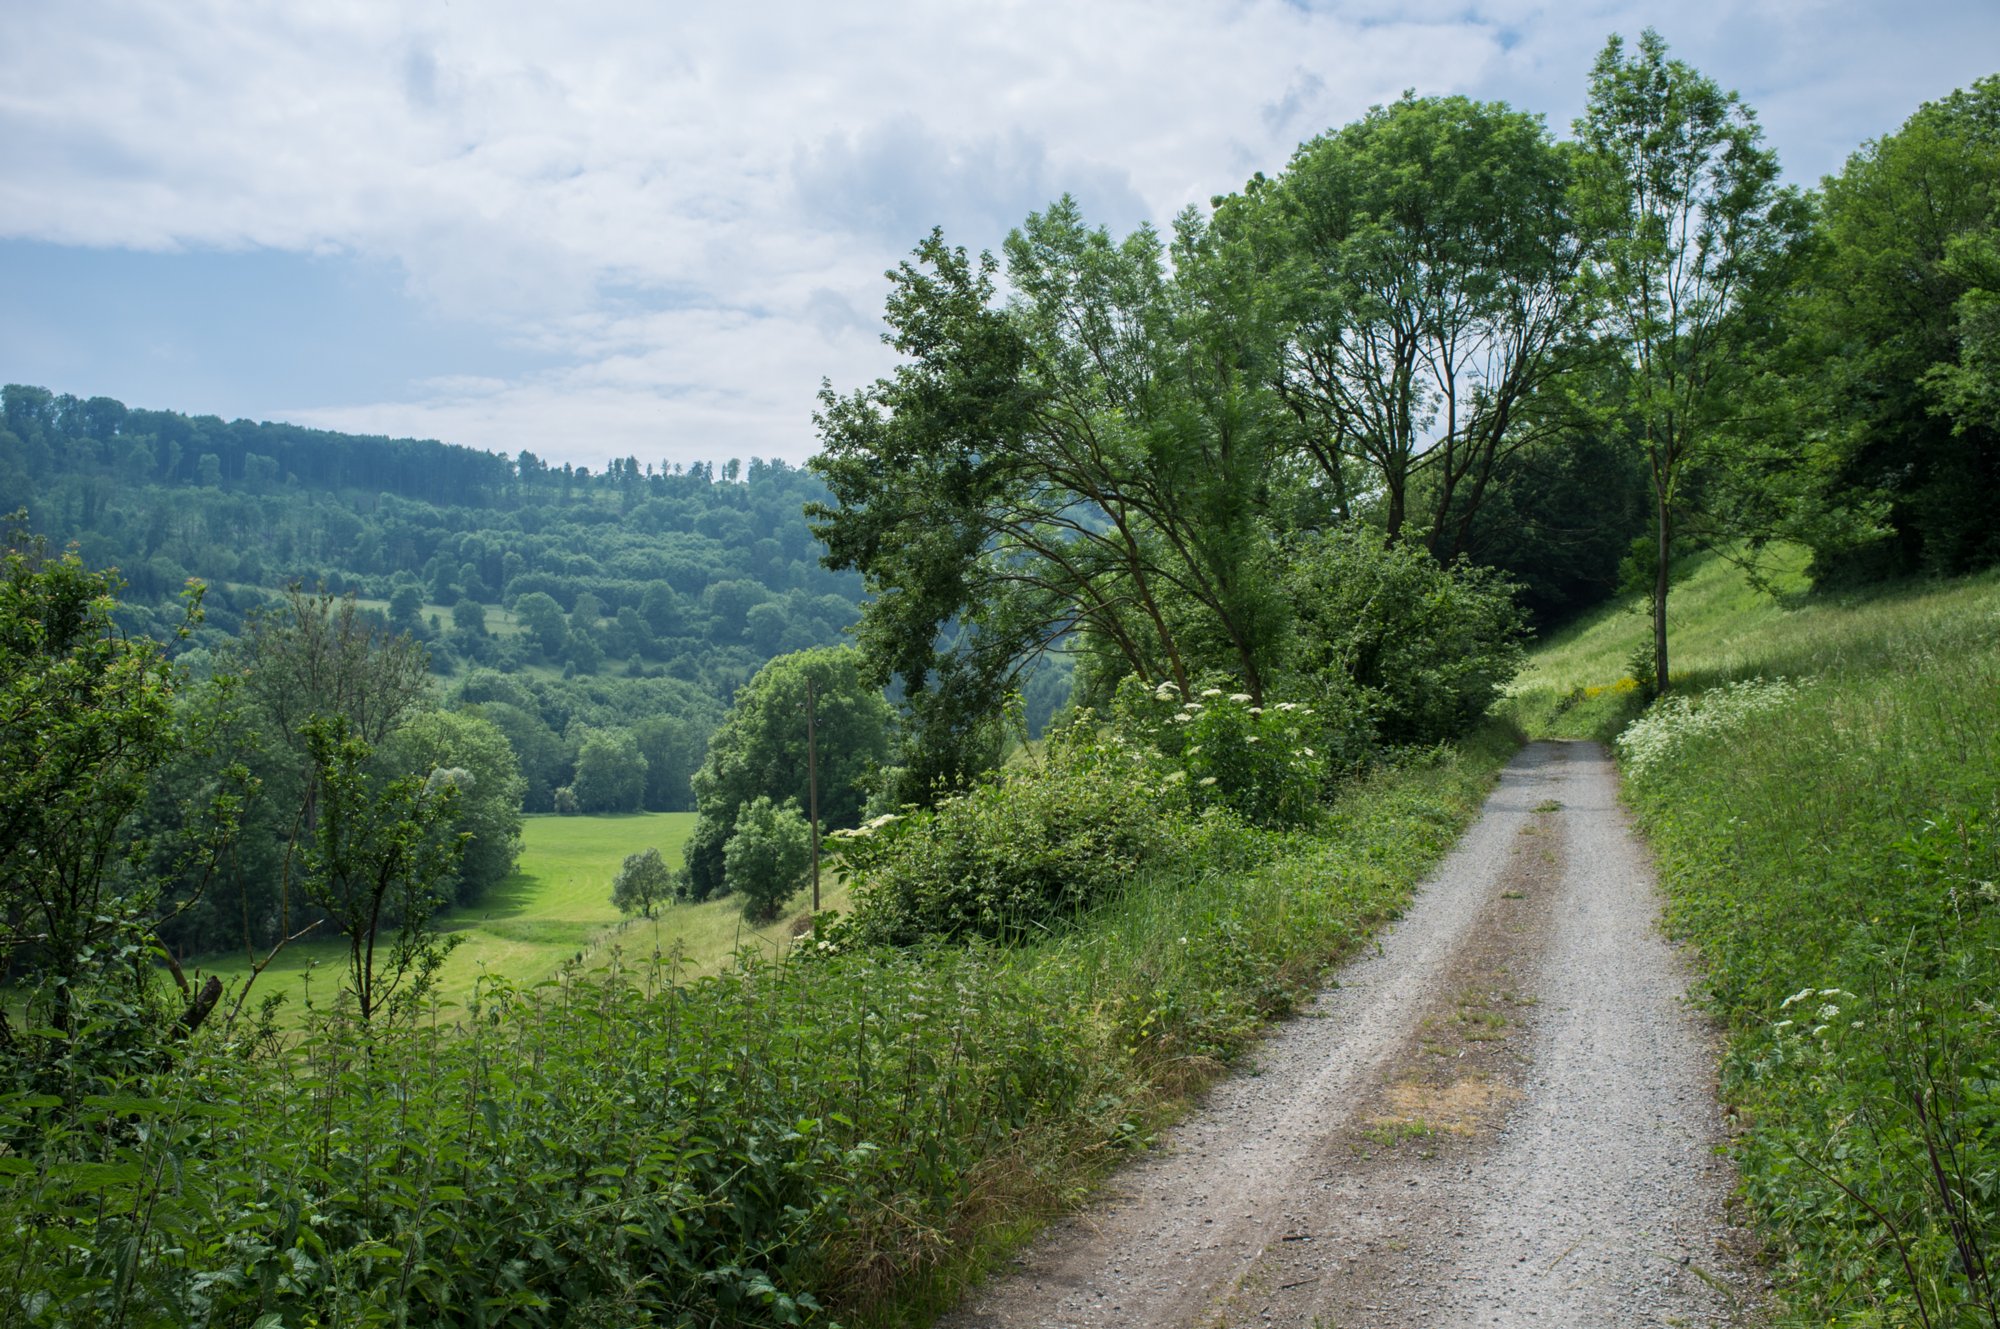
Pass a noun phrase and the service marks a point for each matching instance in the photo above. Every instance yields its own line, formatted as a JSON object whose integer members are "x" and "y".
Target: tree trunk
{"x": 1664, "y": 531}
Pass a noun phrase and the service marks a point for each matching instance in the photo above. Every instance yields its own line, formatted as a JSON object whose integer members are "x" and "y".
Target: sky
{"x": 634, "y": 228}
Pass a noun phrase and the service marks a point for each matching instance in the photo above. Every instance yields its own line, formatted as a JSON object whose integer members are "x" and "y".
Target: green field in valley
{"x": 555, "y": 908}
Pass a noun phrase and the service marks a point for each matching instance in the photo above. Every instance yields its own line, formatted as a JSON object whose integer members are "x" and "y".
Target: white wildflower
{"x": 1211, "y": 692}
{"x": 1239, "y": 697}
{"x": 1659, "y": 734}
{"x": 1207, "y": 780}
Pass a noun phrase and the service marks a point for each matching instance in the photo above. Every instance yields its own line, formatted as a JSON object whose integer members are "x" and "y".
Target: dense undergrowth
{"x": 851, "y": 1136}
{"x": 1825, "y": 805}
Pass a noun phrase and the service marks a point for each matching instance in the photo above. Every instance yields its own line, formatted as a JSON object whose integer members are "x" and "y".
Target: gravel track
{"x": 1505, "y": 1116}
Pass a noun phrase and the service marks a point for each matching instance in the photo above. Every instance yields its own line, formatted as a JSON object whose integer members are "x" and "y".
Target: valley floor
{"x": 1504, "y": 1116}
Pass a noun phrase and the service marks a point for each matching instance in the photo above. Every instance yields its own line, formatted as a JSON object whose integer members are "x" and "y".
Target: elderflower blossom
{"x": 1239, "y": 697}
{"x": 1211, "y": 692}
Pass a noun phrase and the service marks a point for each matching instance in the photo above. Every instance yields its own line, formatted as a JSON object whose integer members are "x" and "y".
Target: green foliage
{"x": 766, "y": 857}
{"x": 1268, "y": 765}
{"x": 610, "y": 772}
{"x": 475, "y": 756}
{"x": 380, "y": 863}
{"x": 1427, "y": 257}
{"x": 760, "y": 750}
{"x": 1084, "y": 460}
{"x": 543, "y": 619}
{"x": 1686, "y": 219}
{"x": 643, "y": 884}
{"x": 1892, "y": 356}
{"x": 87, "y": 716}
{"x": 1559, "y": 517}
{"x": 1419, "y": 649}
{"x": 1023, "y": 850}
{"x": 469, "y": 616}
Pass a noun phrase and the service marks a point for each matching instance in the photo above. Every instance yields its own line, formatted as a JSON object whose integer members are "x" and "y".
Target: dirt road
{"x": 1504, "y": 1117}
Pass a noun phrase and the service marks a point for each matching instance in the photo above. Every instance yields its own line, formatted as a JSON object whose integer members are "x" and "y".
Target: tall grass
{"x": 854, "y": 1135}
{"x": 1831, "y": 847}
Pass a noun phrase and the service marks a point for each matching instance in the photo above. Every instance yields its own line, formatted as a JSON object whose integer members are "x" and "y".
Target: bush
{"x": 1268, "y": 765}
{"x": 1021, "y": 850}
{"x": 1429, "y": 646}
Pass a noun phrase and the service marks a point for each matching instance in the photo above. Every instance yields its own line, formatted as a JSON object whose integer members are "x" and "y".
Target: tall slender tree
{"x": 1683, "y": 201}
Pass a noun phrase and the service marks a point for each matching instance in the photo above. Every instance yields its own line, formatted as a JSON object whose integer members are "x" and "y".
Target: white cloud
{"x": 692, "y": 205}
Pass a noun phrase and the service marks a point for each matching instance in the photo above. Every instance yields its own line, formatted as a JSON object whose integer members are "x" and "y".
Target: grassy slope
{"x": 554, "y": 908}
{"x": 1838, "y": 842}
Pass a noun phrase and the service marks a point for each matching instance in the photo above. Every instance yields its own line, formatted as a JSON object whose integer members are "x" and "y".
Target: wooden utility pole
{"x": 812, "y": 782}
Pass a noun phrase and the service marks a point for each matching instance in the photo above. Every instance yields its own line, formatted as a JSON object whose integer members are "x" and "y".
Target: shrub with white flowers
{"x": 1267, "y": 764}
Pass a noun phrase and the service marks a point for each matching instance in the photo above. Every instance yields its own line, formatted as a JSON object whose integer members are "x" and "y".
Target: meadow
{"x": 554, "y": 910}
{"x": 1823, "y": 796}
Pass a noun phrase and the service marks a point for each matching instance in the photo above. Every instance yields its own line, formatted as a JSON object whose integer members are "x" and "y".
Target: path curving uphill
{"x": 1506, "y": 1116}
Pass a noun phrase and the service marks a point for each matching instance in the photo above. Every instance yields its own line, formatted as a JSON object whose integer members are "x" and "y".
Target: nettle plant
{"x": 1266, "y": 764}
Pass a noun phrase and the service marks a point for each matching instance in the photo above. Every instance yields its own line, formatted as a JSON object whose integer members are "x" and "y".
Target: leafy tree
{"x": 316, "y": 655}
{"x": 382, "y": 858}
{"x": 1894, "y": 355}
{"x": 406, "y": 607}
{"x": 538, "y": 752}
{"x": 610, "y": 772}
{"x": 672, "y": 746}
{"x": 1084, "y": 460}
{"x": 87, "y": 716}
{"x": 543, "y": 618}
{"x": 474, "y": 755}
{"x": 1559, "y": 519}
{"x": 469, "y": 616}
{"x": 766, "y": 857}
{"x": 643, "y": 884}
{"x": 1684, "y": 205}
{"x": 1430, "y": 260}
{"x": 583, "y": 652}
{"x": 759, "y": 751}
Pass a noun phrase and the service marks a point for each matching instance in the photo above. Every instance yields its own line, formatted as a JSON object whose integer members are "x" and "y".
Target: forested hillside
{"x": 694, "y": 574}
